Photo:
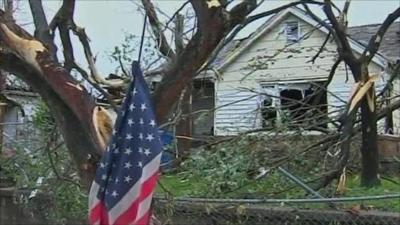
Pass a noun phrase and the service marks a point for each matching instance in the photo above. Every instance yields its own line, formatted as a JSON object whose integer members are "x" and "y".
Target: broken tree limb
{"x": 377, "y": 38}
{"x": 71, "y": 104}
{"x": 155, "y": 23}
{"x": 42, "y": 31}
{"x": 95, "y": 76}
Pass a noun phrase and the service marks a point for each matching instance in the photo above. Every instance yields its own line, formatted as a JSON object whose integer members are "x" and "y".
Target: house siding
{"x": 18, "y": 128}
{"x": 269, "y": 60}
{"x": 237, "y": 110}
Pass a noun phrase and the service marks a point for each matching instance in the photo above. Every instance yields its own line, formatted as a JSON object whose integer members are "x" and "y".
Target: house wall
{"x": 270, "y": 61}
{"x": 10, "y": 118}
{"x": 18, "y": 127}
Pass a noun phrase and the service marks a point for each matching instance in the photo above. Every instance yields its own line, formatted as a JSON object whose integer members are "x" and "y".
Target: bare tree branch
{"x": 52, "y": 147}
{"x": 62, "y": 20}
{"x": 343, "y": 15}
{"x": 321, "y": 49}
{"x": 340, "y": 31}
{"x": 377, "y": 38}
{"x": 174, "y": 15}
{"x": 247, "y": 21}
{"x": 71, "y": 104}
{"x": 343, "y": 20}
{"x": 8, "y": 9}
{"x": 318, "y": 19}
{"x": 163, "y": 45}
{"x": 179, "y": 45}
{"x": 278, "y": 9}
{"x": 87, "y": 77}
{"x": 83, "y": 38}
{"x": 394, "y": 71}
{"x": 42, "y": 31}
{"x": 226, "y": 40}
{"x": 239, "y": 12}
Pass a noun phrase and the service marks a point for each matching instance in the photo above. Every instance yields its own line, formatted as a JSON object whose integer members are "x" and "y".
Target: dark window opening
{"x": 292, "y": 31}
{"x": 290, "y": 105}
{"x": 203, "y": 100}
{"x": 269, "y": 114}
{"x": 153, "y": 85}
{"x": 304, "y": 108}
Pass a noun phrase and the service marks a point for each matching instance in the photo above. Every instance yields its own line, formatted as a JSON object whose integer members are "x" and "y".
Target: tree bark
{"x": 359, "y": 68}
{"x": 196, "y": 53}
{"x": 70, "y": 103}
{"x": 369, "y": 141}
{"x": 369, "y": 147}
{"x": 42, "y": 30}
{"x": 184, "y": 126}
{"x": 72, "y": 106}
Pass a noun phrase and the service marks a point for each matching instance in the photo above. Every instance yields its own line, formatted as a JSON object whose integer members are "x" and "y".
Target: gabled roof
{"x": 390, "y": 46}
{"x": 233, "y": 51}
{"x": 226, "y": 51}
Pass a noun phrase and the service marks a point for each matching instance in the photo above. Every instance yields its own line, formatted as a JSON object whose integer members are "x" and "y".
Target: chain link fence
{"x": 183, "y": 212}
{"x": 18, "y": 208}
{"x": 171, "y": 212}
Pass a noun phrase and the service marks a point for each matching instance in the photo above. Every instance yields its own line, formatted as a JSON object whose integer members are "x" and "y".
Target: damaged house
{"x": 263, "y": 81}
{"x": 17, "y": 106}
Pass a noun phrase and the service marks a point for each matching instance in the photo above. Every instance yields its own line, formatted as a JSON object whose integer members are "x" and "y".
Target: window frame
{"x": 277, "y": 87}
{"x": 293, "y": 38}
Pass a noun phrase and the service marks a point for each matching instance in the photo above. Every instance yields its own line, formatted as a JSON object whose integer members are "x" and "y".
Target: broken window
{"x": 290, "y": 104}
{"x": 268, "y": 112}
{"x": 268, "y": 106}
{"x": 203, "y": 103}
{"x": 292, "y": 31}
{"x": 298, "y": 105}
{"x": 304, "y": 107}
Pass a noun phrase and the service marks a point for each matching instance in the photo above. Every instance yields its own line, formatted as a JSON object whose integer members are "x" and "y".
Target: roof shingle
{"x": 390, "y": 46}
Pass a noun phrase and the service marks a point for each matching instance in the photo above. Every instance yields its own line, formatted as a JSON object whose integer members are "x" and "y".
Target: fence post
{"x": 303, "y": 185}
{"x": 299, "y": 182}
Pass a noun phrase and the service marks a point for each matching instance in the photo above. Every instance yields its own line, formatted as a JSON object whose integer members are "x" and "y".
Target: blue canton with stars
{"x": 135, "y": 143}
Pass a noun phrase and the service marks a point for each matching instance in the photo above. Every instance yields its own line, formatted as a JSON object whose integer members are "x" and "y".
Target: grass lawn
{"x": 276, "y": 187}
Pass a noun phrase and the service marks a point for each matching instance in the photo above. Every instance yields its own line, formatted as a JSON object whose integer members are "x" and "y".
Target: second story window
{"x": 292, "y": 32}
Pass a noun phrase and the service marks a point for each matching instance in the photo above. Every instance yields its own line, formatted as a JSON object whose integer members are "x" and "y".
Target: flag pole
{"x": 142, "y": 38}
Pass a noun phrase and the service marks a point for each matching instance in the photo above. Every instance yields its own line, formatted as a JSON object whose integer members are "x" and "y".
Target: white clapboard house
{"x": 275, "y": 60}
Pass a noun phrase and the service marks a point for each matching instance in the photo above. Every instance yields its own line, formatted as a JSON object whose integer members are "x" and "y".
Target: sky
{"x": 107, "y": 21}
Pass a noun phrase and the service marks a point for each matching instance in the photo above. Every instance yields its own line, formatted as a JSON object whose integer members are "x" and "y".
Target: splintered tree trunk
{"x": 72, "y": 106}
{"x": 369, "y": 144}
{"x": 369, "y": 147}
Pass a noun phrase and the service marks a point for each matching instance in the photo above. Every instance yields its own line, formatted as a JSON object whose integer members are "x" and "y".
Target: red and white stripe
{"x": 134, "y": 207}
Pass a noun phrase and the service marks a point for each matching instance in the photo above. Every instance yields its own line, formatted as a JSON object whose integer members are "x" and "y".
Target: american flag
{"x": 127, "y": 174}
